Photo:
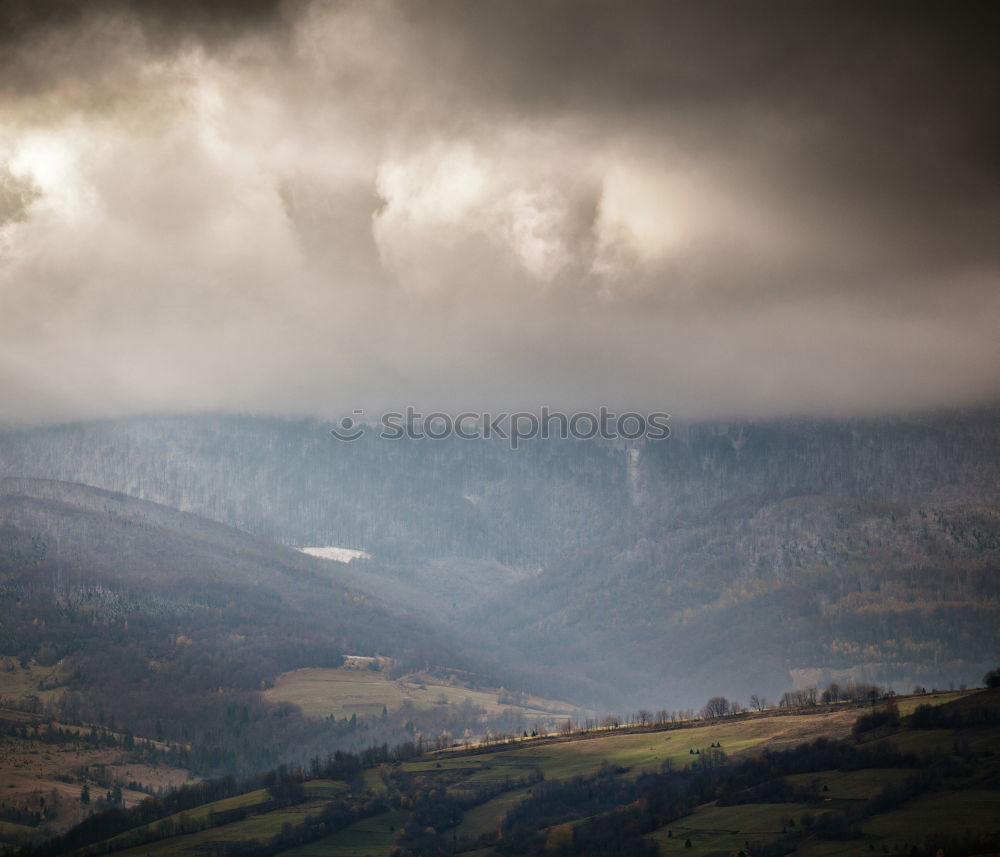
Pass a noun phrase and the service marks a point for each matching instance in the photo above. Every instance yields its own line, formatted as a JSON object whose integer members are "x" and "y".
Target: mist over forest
{"x": 743, "y": 557}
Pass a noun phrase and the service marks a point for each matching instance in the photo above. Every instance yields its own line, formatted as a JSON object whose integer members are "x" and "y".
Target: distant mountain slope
{"x": 733, "y": 555}
{"x": 171, "y": 625}
{"x": 289, "y": 481}
{"x": 80, "y": 533}
{"x": 749, "y": 598}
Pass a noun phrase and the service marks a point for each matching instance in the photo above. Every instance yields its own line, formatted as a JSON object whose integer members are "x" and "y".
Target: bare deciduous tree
{"x": 717, "y": 706}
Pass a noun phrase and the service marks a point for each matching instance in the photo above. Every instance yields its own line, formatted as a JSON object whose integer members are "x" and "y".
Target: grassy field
{"x": 372, "y": 837}
{"x": 637, "y": 751}
{"x": 712, "y": 830}
{"x": 908, "y": 704}
{"x": 202, "y": 812}
{"x": 852, "y": 785}
{"x": 236, "y": 802}
{"x": 17, "y": 682}
{"x": 975, "y": 810}
{"x": 258, "y": 828}
{"x": 487, "y": 817}
{"x": 727, "y": 829}
{"x": 10, "y": 832}
{"x": 943, "y": 740}
{"x": 325, "y": 788}
{"x": 645, "y": 750}
{"x": 373, "y": 780}
{"x": 343, "y": 692}
{"x": 953, "y": 813}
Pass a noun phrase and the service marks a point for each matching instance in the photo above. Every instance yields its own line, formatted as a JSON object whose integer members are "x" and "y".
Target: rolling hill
{"x": 134, "y": 616}
{"x": 910, "y": 776}
{"x": 742, "y": 557}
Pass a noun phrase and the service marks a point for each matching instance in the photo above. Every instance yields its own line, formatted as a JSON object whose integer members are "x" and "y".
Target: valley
{"x": 510, "y": 428}
{"x": 568, "y": 633}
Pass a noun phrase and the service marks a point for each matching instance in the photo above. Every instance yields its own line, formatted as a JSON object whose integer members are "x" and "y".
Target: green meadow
{"x": 321, "y": 692}
{"x": 372, "y": 837}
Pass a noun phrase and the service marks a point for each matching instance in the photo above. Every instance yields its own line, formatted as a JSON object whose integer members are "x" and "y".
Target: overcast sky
{"x": 713, "y": 209}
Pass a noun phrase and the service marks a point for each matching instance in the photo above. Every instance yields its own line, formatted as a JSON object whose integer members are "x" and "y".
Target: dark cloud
{"x": 53, "y": 44}
{"x": 714, "y": 208}
{"x": 880, "y": 108}
{"x": 202, "y": 19}
{"x": 16, "y": 194}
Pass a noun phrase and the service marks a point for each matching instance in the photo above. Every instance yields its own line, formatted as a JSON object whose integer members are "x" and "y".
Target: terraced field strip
{"x": 952, "y": 813}
{"x": 908, "y": 704}
{"x": 984, "y": 741}
{"x": 9, "y": 831}
{"x": 727, "y": 828}
{"x": 852, "y": 785}
{"x": 976, "y": 810}
{"x": 259, "y": 828}
{"x": 648, "y": 750}
{"x": 371, "y": 837}
{"x": 486, "y": 817}
{"x": 324, "y": 788}
{"x": 200, "y": 813}
{"x": 373, "y": 780}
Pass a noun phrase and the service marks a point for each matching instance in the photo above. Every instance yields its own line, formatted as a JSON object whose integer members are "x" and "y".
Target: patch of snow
{"x": 336, "y": 554}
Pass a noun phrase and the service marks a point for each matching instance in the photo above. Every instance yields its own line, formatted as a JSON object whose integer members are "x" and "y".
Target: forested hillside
{"x": 753, "y": 598}
{"x": 138, "y": 617}
{"x": 290, "y": 481}
{"x": 745, "y": 557}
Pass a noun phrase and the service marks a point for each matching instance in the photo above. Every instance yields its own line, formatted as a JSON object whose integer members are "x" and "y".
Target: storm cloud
{"x": 711, "y": 209}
